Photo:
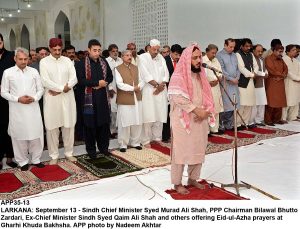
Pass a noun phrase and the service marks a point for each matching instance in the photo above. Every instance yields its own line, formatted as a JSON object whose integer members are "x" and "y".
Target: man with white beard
{"x": 154, "y": 73}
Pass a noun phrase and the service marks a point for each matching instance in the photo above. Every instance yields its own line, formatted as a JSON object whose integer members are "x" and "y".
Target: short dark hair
{"x": 289, "y": 47}
{"x": 275, "y": 42}
{"x": 38, "y": 49}
{"x": 210, "y": 47}
{"x": 176, "y": 48}
{"x": 69, "y": 47}
{"x": 1, "y": 36}
{"x": 245, "y": 41}
{"x": 93, "y": 42}
{"x": 226, "y": 42}
{"x": 297, "y": 46}
{"x": 112, "y": 46}
{"x": 105, "y": 53}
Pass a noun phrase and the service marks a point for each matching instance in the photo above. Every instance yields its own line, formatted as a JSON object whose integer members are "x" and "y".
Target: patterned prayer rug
{"x": 106, "y": 166}
{"x": 261, "y": 133}
{"x": 15, "y": 183}
{"x": 144, "y": 158}
{"x": 210, "y": 192}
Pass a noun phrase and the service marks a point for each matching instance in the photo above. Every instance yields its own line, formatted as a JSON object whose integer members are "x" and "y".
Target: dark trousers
{"x": 226, "y": 120}
{"x": 166, "y": 133}
{"x": 5, "y": 143}
{"x": 272, "y": 115}
{"x": 99, "y": 135}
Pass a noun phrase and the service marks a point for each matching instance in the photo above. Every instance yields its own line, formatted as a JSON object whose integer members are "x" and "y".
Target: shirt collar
{"x": 53, "y": 58}
{"x": 18, "y": 69}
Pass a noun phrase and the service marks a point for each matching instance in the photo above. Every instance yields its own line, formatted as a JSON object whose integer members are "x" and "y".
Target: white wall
{"x": 212, "y": 21}
{"x": 117, "y": 23}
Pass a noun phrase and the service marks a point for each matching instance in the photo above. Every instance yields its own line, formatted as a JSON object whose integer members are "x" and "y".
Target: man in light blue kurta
{"x": 231, "y": 73}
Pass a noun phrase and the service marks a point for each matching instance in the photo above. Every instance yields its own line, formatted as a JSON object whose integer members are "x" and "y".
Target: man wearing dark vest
{"x": 171, "y": 61}
{"x": 247, "y": 67}
{"x": 94, "y": 74}
{"x": 129, "y": 100}
{"x": 6, "y": 61}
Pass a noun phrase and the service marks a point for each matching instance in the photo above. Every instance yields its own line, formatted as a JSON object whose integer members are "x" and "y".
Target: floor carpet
{"x": 106, "y": 166}
{"x": 15, "y": 183}
{"x": 210, "y": 192}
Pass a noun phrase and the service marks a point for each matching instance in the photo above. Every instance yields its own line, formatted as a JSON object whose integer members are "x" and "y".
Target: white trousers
{"x": 113, "y": 123}
{"x": 130, "y": 135}
{"x": 215, "y": 129}
{"x": 152, "y": 131}
{"x": 290, "y": 113}
{"x": 23, "y": 147}
{"x": 245, "y": 112}
{"x": 257, "y": 114}
{"x": 53, "y": 141}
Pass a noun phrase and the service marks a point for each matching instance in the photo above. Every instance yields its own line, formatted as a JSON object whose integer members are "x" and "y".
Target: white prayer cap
{"x": 154, "y": 42}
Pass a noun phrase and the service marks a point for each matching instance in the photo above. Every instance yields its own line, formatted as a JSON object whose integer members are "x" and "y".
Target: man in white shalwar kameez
{"x": 59, "y": 77}
{"x": 154, "y": 73}
{"x": 258, "y": 111}
{"x": 113, "y": 60}
{"x": 247, "y": 67}
{"x": 211, "y": 60}
{"x": 129, "y": 100}
{"x": 22, "y": 87}
{"x": 292, "y": 84}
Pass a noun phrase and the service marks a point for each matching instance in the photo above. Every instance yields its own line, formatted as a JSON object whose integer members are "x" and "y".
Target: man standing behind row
{"x": 59, "y": 77}
{"x": 113, "y": 60}
{"x": 94, "y": 75}
{"x": 155, "y": 74}
{"x": 171, "y": 61}
{"x": 6, "y": 61}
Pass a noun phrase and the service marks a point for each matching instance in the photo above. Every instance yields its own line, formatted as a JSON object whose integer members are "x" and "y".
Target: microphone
{"x": 211, "y": 68}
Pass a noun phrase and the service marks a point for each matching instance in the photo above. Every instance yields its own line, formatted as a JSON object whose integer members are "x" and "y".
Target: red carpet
{"x": 15, "y": 183}
{"x": 209, "y": 193}
{"x": 219, "y": 140}
{"x": 260, "y": 130}
{"x": 50, "y": 173}
{"x": 239, "y": 134}
{"x": 9, "y": 182}
{"x": 160, "y": 148}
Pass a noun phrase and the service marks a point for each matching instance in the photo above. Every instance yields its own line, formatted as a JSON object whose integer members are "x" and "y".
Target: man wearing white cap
{"x": 154, "y": 73}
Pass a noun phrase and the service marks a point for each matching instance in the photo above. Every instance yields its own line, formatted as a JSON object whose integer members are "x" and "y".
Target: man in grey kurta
{"x": 231, "y": 73}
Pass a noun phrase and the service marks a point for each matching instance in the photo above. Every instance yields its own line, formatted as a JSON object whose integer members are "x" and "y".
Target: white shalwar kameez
{"x": 25, "y": 120}
{"x": 112, "y": 86}
{"x": 59, "y": 110}
{"x": 130, "y": 117}
{"x": 155, "y": 107}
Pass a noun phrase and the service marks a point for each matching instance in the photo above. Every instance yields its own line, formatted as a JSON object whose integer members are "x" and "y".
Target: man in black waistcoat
{"x": 171, "y": 61}
{"x": 94, "y": 74}
{"x": 248, "y": 69}
{"x": 6, "y": 61}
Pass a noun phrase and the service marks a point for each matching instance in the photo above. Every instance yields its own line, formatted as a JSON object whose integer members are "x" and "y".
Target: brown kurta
{"x": 188, "y": 148}
{"x": 275, "y": 89}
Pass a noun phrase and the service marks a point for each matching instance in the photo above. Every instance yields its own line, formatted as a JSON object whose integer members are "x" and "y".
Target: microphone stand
{"x": 236, "y": 184}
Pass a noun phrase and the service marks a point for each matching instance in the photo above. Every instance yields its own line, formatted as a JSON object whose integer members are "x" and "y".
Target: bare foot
{"x": 181, "y": 189}
{"x": 195, "y": 184}
{"x": 147, "y": 145}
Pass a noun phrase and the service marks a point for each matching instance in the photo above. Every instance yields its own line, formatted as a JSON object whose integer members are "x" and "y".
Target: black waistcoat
{"x": 248, "y": 61}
